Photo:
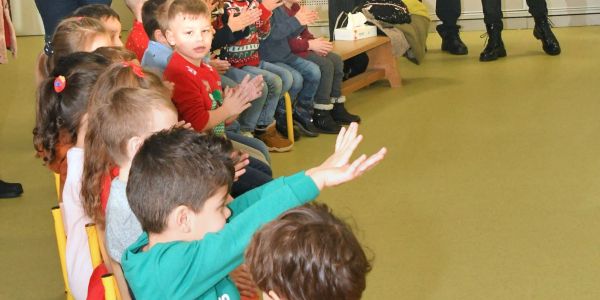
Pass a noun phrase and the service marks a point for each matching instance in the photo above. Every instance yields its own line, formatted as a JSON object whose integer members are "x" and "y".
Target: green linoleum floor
{"x": 490, "y": 190}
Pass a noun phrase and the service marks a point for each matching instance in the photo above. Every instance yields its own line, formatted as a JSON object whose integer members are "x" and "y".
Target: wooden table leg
{"x": 381, "y": 57}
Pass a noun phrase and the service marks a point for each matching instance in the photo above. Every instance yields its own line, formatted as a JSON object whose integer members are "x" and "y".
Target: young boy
{"x": 328, "y": 98}
{"x": 137, "y": 41}
{"x": 307, "y": 74}
{"x": 290, "y": 259}
{"x": 155, "y": 20}
{"x": 107, "y": 16}
{"x": 193, "y": 237}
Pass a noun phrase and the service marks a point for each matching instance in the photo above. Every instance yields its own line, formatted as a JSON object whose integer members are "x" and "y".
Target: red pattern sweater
{"x": 244, "y": 52}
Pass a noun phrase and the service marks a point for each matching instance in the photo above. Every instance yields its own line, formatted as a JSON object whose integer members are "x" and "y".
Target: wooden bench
{"x": 382, "y": 63}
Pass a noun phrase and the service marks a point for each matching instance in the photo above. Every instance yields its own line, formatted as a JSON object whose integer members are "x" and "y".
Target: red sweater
{"x": 137, "y": 41}
{"x": 244, "y": 52}
{"x": 299, "y": 44}
{"x": 193, "y": 88}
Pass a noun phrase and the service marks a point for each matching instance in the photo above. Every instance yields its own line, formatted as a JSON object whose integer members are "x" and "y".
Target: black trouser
{"x": 449, "y": 10}
{"x": 492, "y": 10}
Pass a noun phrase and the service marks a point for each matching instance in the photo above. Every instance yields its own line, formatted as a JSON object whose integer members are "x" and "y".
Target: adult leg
{"x": 448, "y": 12}
{"x": 539, "y": 10}
{"x": 53, "y": 12}
{"x": 492, "y": 16}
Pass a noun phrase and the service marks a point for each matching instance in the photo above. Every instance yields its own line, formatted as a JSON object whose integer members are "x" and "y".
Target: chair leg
{"x": 288, "y": 117}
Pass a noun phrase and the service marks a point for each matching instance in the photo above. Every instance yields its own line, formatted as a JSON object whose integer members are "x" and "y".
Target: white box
{"x": 356, "y": 33}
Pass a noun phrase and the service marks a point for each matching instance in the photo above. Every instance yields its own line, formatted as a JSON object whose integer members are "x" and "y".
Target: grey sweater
{"x": 122, "y": 227}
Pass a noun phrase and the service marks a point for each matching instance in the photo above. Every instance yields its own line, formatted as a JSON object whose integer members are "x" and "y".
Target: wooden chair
{"x": 61, "y": 242}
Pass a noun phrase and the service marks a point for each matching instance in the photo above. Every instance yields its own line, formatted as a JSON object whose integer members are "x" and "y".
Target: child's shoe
{"x": 275, "y": 142}
{"x": 340, "y": 114}
{"x": 305, "y": 127}
{"x": 324, "y": 122}
{"x": 10, "y": 190}
{"x": 282, "y": 129}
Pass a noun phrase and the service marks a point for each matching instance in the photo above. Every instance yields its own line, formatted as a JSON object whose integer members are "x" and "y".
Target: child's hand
{"x": 236, "y": 100}
{"x": 306, "y": 16}
{"x": 243, "y": 281}
{"x": 337, "y": 169}
{"x": 320, "y": 46}
{"x": 183, "y": 124}
{"x": 272, "y": 4}
{"x": 252, "y": 87}
{"x": 169, "y": 85}
{"x": 220, "y": 65}
{"x": 241, "y": 161}
{"x": 246, "y": 18}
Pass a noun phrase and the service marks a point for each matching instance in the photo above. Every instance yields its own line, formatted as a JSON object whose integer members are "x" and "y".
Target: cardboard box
{"x": 356, "y": 33}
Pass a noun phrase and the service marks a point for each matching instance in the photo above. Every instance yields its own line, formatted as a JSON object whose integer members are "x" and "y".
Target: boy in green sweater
{"x": 194, "y": 236}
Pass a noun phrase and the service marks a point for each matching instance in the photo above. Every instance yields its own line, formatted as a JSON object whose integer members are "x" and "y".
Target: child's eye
{"x": 188, "y": 33}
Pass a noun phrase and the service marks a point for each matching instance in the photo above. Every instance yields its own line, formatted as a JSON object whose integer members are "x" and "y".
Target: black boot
{"x": 495, "y": 46}
{"x": 341, "y": 116}
{"x": 451, "y": 41}
{"x": 282, "y": 129}
{"x": 324, "y": 122}
{"x": 304, "y": 126}
{"x": 542, "y": 31}
{"x": 10, "y": 190}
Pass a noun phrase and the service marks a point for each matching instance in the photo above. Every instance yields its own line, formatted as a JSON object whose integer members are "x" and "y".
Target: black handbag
{"x": 389, "y": 11}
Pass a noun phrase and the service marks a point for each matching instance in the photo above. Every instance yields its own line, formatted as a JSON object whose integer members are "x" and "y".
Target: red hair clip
{"x": 137, "y": 70}
{"x": 60, "y": 83}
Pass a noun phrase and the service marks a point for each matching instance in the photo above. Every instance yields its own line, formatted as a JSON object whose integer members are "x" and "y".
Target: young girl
{"x": 61, "y": 124}
{"x": 72, "y": 35}
{"x": 60, "y": 107}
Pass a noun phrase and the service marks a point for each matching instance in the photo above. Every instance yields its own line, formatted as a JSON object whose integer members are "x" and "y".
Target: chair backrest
{"x": 61, "y": 242}
{"x": 110, "y": 287}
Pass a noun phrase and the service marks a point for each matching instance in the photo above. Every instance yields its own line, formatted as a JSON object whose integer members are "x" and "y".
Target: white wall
{"x": 562, "y": 13}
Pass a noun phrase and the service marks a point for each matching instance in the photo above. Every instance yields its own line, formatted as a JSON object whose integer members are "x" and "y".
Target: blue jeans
{"x": 278, "y": 81}
{"x": 53, "y": 12}
{"x": 306, "y": 78}
{"x": 249, "y": 118}
{"x": 232, "y": 132}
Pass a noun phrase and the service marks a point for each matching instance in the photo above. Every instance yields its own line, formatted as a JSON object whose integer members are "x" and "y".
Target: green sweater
{"x": 199, "y": 269}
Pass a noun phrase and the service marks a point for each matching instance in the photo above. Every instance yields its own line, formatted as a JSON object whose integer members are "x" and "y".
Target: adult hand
{"x": 306, "y": 16}
{"x": 272, "y": 4}
{"x": 320, "y": 46}
{"x": 246, "y": 18}
{"x": 337, "y": 169}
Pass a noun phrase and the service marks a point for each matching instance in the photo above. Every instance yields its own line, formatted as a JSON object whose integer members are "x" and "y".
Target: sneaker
{"x": 342, "y": 116}
{"x": 306, "y": 127}
{"x": 324, "y": 122}
{"x": 275, "y": 142}
{"x": 10, "y": 190}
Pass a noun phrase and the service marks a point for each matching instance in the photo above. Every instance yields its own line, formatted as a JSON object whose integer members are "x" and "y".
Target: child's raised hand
{"x": 241, "y": 161}
{"x": 337, "y": 169}
{"x": 272, "y": 4}
{"x": 246, "y": 18}
{"x": 306, "y": 16}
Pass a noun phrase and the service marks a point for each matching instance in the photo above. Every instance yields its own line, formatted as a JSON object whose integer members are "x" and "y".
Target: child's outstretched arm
{"x": 337, "y": 169}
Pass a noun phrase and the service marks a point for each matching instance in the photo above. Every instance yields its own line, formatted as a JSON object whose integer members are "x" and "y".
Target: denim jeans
{"x": 248, "y": 119}
{"x": 306, "y": 77}
{"x": 53, "y": 12}
{"x": 278, "y": 81}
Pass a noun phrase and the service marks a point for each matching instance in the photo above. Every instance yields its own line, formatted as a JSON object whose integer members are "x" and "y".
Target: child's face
{"x": 113, "y": 26}
{"x": 213, "y": 216}
{"x": 191, "y": 36}
{"x": 100, "y": 40}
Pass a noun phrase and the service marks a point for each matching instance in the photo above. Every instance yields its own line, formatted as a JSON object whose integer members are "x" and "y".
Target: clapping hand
{"x": 320, "y": 46}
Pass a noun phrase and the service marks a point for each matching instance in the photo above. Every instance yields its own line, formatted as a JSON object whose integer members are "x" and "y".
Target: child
{"x": 290, "y": 259}
{"x": 107, "y": 16}
{"x": 73, "y": 35}
{"x": 51, "y": 138}
{"x": 242, "y": 54}
{"x": 61, "y": 121}
{"x": 306, "y": 74}
{"x": 178, "y": 189}
{"x": 318, "y": 50}
{"x": 155, "y": 20}
{"x": 137, "y": 40}
{"x": 117, "y": 54}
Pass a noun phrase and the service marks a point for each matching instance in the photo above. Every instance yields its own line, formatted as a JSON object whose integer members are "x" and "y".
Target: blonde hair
{"x": 113, "y": 119}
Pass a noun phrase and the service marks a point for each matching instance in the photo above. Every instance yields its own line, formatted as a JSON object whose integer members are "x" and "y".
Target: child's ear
{"x": 159, "y": 36}
{"x": 170, "y": 38}
{"x": 133, "y": 145}
{"x": 182, "y": 218}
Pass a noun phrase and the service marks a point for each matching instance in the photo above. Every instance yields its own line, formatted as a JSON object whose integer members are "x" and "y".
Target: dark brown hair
{"x": 116, "y": 54}
{"x": 155, "y": 16}
{"x": 58, "y": 114}
{"x": 96, "y": 11}
{"x": 173, "y": 168}
{"x": 98, "y": 158}
{"x": 306, "y": 254}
